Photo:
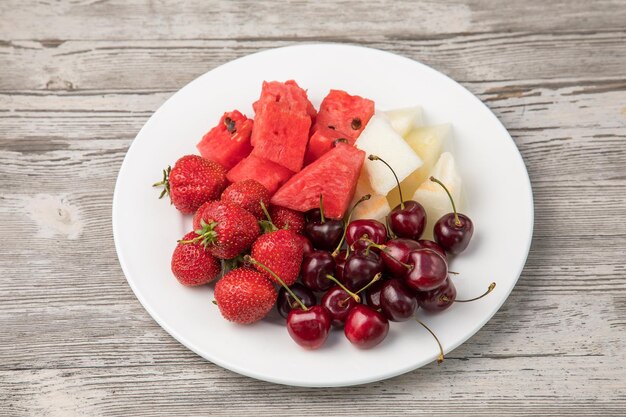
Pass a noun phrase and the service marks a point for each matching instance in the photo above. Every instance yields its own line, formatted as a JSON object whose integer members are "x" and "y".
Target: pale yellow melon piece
{"x": 428, "y": 143}
{"x": 433, "y": 197}
{"x": 375, "y": 208}
{"x": 405, "y": 119}
{"x": 379, "y": 138}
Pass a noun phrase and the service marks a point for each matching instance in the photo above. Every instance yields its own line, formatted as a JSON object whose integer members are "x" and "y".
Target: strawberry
{"x": 248, "y": 194}
{"x": 225, "y": 229}
{"x": 244, "y": 296}
{"x": 192, "y": 182}
{"x": 281, "y": 252}
{"x": 193, "y": 265}
{"x": 285, "y": 218}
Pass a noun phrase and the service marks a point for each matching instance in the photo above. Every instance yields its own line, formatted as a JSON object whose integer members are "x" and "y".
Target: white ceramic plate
{"x": 496, "y": 187}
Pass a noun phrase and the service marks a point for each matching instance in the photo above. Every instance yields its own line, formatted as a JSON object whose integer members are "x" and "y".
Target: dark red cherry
{"x": 338, "y": 303}
{"x": 307, "y": 248}
{"x": 438, "y": 299}
{"x": 367, "y": 228}
{"x": 365, "y": 327}
{"x": 309, "y": 328}
{"x": 286, "y": 302}
{"x": 314, "y": 269}
{"x": 324, "y": 235}
{"x": 340, "y": 263}
{"x": 408, "y": 220}
{"x": 428, "y": 270}
{"x": 396, "y": 301}
{"x": 313, "y": 215}
{"x": 429, "y": 244}
{"x": 372, "y": 295}
{"x": 360, "y": 269}
{"x": 453, "y": 231}
{"x": 396, "y": 253}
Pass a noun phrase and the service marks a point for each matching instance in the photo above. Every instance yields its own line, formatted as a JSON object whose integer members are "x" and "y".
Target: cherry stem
{"x": 345, "y": 226}
{"x": 389, "y": 231}
{"x": 491, "y": 287}
{"x": 267, "y": 214}
{"x": 440, "y": 357}
{"x": 369, "y": 284}
{"x": 453, "y": 273}
{"x": 377, "y": 158}
{"x": 457, "y": 221}
{"x": 253, "y": 261}
{"x": 383, "y": 247}
{"x": 322, "y": 218}
{"x": 336, "y": 281}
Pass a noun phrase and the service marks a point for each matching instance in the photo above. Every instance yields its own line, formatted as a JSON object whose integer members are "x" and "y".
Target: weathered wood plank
{"x": 137, "y": 19}
{"x": 169, "y": 64}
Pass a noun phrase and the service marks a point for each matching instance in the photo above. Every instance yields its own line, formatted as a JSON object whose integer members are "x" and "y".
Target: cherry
{"x": 396, "y": 253}
{"x": 368, "y": 228}
{"x": 360, "y": 268}
{"x": 338, "y": 302}
{"x": 407, "y": 219}
{"x": 396, "y": 301}
{"x": 307, "y": 248}
{"x": 429, "y": 244}
{"x": 309, "y": 328}
{"x": 427, "y": 271}
{"x": 438, "y": 299}
{"x": 365, "y": 327}
{"x": 340, "y": 263}
{"x": 315, "y": 267}
{"x": 453, "y": 231}
{"x": 286, "y": 302}
{"x": 372, "y": 296}
{"x": 324, "y": 233}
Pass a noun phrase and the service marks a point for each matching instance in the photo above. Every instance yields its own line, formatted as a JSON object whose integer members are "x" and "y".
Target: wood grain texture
{"x": 79, "y": 78}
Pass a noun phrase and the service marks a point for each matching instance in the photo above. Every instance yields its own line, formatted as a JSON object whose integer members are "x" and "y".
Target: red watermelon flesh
{"x": 281, "y": 125}
{"x": 268, "y": 173}
{"x": 334, "y": 175}
{"x": 229, "y": 141}
{"x": 344, "y": 113}
{"x": 321, "y": 142}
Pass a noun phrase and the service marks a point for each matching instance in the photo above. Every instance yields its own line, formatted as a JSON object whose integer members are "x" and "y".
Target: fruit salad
{"x": 342, "y": 217}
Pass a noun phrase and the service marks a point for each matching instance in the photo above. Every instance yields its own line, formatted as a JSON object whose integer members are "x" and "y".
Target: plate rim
{"x": 292, "y": 381}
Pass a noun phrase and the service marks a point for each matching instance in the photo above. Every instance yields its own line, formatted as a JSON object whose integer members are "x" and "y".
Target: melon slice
{"x": 344, "y": 113}
{"x": 229, "y": 141}
{"x": 375, "y": 208}
{"x": 428, "y": 142}
{"x": 433, "y": 197}
{"x": 381, "y": 140}
{"x": 268, "y": 173}
{"x": 334, "y": 176}
{"x": 405, "y": 119}
{"x": 281, "y": 125}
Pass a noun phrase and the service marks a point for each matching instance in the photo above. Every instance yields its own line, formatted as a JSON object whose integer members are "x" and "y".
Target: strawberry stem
{"x": 345, "y": 226}
{"x": 253, "y": 261}
{"x": 457, "y": 221}
{"x": 165, "y": 182}
{"x": 350, "y": 293}
{"x": 489, "y": 289}
{"x": 440, "y": 357}
{"x": 377, "y": 158}
{"x": 206, "y": 234}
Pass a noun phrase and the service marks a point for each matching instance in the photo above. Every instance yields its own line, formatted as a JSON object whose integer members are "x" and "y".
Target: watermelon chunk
{"x": 282, "y": 124}
{"x": 345, "y": 113}
{"x": 334, "y": 175}
{"x": 268, "y": 173}
{"x": 321, "y": 142}
{"x": 229, "y": 141}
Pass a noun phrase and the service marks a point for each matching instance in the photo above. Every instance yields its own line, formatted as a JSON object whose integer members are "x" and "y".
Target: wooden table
{"x": 79, "y": 78}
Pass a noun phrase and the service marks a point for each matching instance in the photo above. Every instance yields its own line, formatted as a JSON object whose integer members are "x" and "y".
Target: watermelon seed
{"x": 356, "y": 123}
{"x": 230, "y": 125}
